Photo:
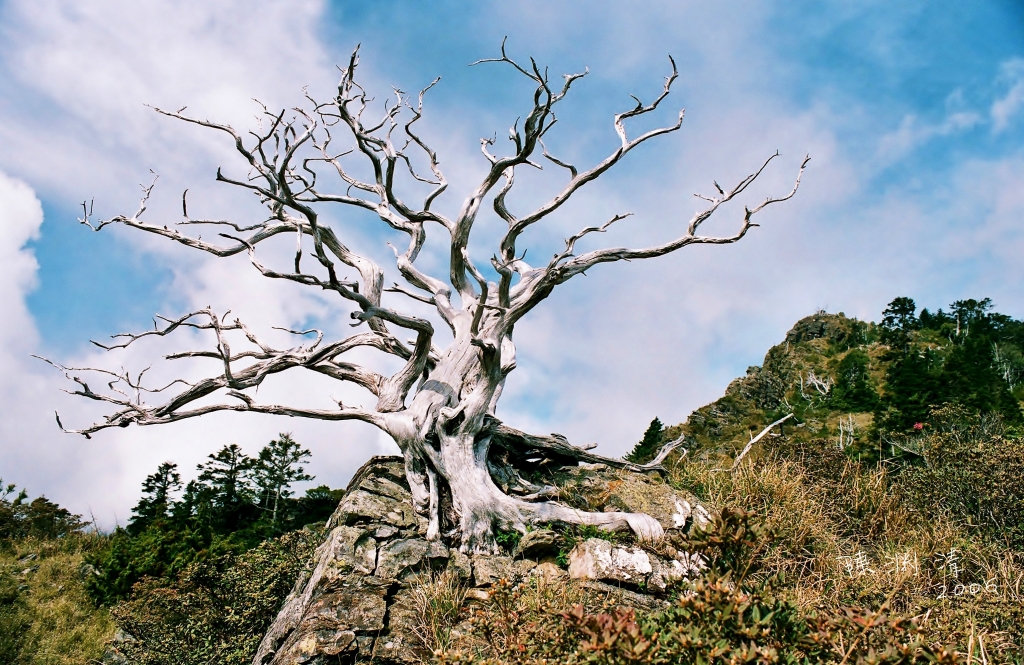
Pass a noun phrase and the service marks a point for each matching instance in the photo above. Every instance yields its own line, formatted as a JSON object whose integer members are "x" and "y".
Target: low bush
{"x": 970, "y": 470}
{"x": 218, "y": 608}
{"x": 735, "y": 614}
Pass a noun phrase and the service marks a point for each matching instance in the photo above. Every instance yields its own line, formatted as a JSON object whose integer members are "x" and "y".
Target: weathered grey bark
{"x": 439, "y": 407}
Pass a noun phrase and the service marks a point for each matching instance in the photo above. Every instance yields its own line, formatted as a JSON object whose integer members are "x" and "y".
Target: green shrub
{"x": 973, "y": 472}
{"x": 217, "y": 610}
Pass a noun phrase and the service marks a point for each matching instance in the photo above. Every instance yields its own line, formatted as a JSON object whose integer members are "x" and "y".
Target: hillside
{"x": 869, "y": 386}
{"x": 46, "y": 617}
{"x": 880, "y": 523}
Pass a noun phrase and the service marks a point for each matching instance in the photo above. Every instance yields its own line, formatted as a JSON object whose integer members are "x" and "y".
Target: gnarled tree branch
{"x": 359, "y": 159}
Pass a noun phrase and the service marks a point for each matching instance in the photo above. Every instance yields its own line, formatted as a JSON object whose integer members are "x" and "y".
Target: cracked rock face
{"x": 399, "y": 558}
{"x": 357, "y": 603}
{"x": 353, "y": 605}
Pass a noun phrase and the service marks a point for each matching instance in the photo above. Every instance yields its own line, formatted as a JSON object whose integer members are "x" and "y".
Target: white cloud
{"x": 1005, "y": 108}
{"x": 81, "y": 75}
{"x": 914, "y": 133}
{"x": 86, "y": 72}
{"x": 21, "y": 215}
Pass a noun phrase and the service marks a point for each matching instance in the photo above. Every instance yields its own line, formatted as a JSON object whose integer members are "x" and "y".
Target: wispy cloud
{"x": 1005, "y": 109}
{"x": 914, "y": 133}
{"x": 81, "y": 75}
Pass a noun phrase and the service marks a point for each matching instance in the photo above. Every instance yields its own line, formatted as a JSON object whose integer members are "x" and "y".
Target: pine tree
{"x": 968, "y": 312}
{"x": 898, "y": 320}
{"x": 156, "y": 500}
{"x": 196, "y": 507}
{"x": 649, "y": 445}
{"x": 853, "y": 390}
{"x": 970, "y": 375}
{"x": 277, "y": 468}
{"x": 227, "y": 476}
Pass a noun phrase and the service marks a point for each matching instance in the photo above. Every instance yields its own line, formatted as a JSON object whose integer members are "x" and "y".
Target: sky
{"x": 913, "y": 114}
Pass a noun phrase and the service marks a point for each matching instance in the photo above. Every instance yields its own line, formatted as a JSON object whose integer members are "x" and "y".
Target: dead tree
{"x": 439, "y": 407}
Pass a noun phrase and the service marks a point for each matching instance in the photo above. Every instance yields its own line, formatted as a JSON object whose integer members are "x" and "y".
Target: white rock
{"x": 665, "y": 573}
{"x": 681, "y": 513}
{"x": 701, "y": 517}
{"x": 597, "y": 559}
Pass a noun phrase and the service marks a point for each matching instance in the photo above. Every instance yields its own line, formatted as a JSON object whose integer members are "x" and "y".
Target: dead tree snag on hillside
{"x": 439, "y": 406}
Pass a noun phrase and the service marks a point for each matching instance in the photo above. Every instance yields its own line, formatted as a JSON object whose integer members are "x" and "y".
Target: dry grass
{"x": 438, "y": 601}
{"x": 64, "y": 627}
{"x": 847, "y": 535}
{"x": 513, "y": 616}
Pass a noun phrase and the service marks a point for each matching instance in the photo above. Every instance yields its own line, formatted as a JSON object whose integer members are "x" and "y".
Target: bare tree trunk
{"x": 446, "y": 435}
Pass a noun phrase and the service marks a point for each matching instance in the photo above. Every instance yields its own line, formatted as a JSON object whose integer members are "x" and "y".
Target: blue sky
{"x": 913, "y": 114}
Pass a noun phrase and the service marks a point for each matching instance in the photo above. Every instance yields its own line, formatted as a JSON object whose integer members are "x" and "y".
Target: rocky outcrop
{"x": 356, "y": 603}
{"x": 349, "y": 607}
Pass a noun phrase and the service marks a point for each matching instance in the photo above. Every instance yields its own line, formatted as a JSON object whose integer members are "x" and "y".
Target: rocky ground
{"x": 356, "y": 603}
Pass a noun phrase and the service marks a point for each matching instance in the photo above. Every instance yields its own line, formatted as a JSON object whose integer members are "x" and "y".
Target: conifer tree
{"x": 226, "y": 474}
{"x": 970, "y": 375}
{"x": 649, "y": 445}
{"x": 853, "y": 390}
{"x": 195, "y": 506}
{"x": 156, "y": 490}
{"x": 898, "y": 320}
{"x": 276, "y": 468}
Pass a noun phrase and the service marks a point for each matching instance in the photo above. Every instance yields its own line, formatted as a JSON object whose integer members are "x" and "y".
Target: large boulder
{"x": 359, "y": 600}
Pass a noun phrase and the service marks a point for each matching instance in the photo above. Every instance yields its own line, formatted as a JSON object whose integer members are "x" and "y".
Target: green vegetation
{"x": 871, "y": 386}
{"x": 882, "y": 526}
{"x": 969, "y": 356}
{"x": 648, "y": 446}
{"x": 217, "y": 609}
{"x": 235, "y": 504}
{"x": 45, "y": 616}
{"x": 191, "y": 580}
{"x": 739, "y": 612}
{"x": 841, "y": 560}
